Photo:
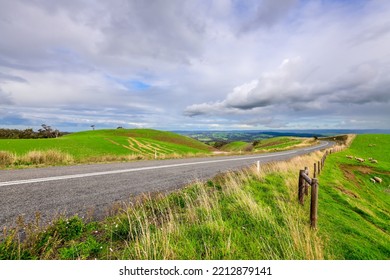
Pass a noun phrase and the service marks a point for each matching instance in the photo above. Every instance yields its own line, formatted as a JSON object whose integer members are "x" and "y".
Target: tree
{"x": 44, "y": 132}
{"x": 27, "y": 133}
{"x": 219, "y": 144}
{"x": 47, "y": 132}
{"x": 93, "y": 127}
{"x": 255, "y": 143}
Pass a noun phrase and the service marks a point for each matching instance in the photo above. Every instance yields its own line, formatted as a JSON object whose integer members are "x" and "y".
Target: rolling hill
{"x": 102, "y": 145}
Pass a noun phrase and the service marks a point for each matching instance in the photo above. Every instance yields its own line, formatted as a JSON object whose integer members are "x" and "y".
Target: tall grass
{"x": 48, "y": 157}
{"x": 7, "y": 158}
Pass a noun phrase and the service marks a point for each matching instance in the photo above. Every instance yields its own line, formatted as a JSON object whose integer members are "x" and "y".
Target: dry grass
{"x": 55, "y": 157}
{"x": 135, "y": 157}
{"x": 48, "y": 157}
{"x": 6, "y": 158}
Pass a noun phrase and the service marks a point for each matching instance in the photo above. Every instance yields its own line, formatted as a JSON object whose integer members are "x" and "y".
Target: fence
{"x": 305, "y": 181}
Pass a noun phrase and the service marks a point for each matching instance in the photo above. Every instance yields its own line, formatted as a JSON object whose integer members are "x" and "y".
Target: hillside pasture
{"x": 354, "y": 208}
{"x": 237, "y": 146}
{"x": 103, "y": 145}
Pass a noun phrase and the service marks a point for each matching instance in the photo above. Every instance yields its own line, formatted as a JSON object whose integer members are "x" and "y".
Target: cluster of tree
{"x": 219, "y": 144}
{"x": 45, "y": 132}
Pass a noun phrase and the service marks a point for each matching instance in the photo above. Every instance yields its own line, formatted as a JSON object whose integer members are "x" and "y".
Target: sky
{"x": 195, "y": 65}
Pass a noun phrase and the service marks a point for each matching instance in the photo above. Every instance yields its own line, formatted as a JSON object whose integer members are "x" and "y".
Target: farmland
{"x": 125, "y": 144}
{"x": 100, "y": 145}
{"x": 281, "y": 143}
{"x": 354, "y": 210}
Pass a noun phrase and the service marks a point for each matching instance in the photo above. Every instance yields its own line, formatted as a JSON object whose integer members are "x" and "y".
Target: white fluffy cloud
{"x": 290, "y": 85}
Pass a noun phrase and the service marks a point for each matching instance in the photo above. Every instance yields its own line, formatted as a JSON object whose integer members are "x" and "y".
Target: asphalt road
{"x": 84, "y": 188}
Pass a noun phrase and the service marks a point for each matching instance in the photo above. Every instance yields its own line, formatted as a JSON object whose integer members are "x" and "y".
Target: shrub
{"x": 68, "y": 229}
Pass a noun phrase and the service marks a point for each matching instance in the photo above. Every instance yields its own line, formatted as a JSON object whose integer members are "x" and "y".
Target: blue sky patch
{"x": 131, "y": 84}
{"x": 138, "y": 85}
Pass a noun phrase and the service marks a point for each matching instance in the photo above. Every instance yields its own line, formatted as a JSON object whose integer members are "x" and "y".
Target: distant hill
{"x": 211, "y": 137}
{"x": 237, "y": 146}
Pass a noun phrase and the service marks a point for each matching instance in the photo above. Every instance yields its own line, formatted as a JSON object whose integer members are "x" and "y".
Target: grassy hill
{"x": 279, "y": 143}
{"x": 268, "y": 145}
{"x": 101, "y": 145}
{"x": 355, "y": 211}
{"x": 237, "y": 146}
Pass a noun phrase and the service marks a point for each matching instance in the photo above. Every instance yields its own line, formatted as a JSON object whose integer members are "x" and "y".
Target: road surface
{"x": 83, "y": 188}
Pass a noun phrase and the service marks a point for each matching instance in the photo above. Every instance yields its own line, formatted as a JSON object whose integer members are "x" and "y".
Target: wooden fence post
{"x": 301, "y": 187}
{"x": 314, "y": 203}
{"x": 258, "y": 166}
{"x": 315, "y": 171}
{"x": 306, "y": 183}
{"x": 319, "y": 168}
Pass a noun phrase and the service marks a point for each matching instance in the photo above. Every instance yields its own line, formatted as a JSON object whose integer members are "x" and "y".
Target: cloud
{"x": 268, "y": 13}
{"x": 290, "y": 87}
{"x": 284, "y": 86}
{"x": 7, "y": 77}
{"x": 5, "y": 98}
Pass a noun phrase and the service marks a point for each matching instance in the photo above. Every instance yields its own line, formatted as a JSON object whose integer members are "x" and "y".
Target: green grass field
{"x": 355, "y": 212}
{"x": 94, "y": 145}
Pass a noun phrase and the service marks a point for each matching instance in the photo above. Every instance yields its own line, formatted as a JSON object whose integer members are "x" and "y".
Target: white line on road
{"x": 74, "y": 176}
